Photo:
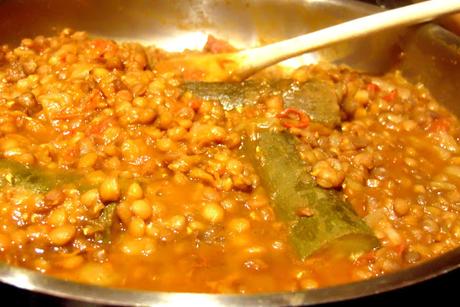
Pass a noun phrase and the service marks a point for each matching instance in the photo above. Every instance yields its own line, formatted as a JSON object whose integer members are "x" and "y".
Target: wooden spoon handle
{"x": 253, "y": 60}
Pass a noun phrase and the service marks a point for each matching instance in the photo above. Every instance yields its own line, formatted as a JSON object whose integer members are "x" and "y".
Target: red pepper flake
{"x": 294, "y": 118}
{"x": 391, "y": 96}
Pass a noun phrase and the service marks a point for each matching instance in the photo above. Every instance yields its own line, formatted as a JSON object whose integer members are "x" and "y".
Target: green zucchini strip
{"x": 35, "y": 178}
{"x": 292, "y": 190}
{"x": 317, "y": 98}
{"x": 41, "y": 181}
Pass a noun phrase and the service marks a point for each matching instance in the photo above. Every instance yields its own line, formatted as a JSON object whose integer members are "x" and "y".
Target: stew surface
{"x": 116, "y": 174}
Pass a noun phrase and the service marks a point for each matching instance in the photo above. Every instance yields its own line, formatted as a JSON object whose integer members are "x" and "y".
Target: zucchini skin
{"x": 35, "y": 178}
{"x": 291, "y": 188}
{"x": 315, "y": 97}
{"x": 41, "y": 180}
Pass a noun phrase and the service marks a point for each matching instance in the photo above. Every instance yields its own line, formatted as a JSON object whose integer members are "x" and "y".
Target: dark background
{"x": 440, "y": 291}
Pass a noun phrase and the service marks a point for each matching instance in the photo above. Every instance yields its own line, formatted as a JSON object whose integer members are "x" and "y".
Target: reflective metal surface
{"x": 431, "y": 56}
{"x": 37, "y": 282}
{"x": 175, "y": 25}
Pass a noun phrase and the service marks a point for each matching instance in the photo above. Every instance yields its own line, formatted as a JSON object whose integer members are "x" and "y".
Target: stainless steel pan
{"x": 431, "y": 55}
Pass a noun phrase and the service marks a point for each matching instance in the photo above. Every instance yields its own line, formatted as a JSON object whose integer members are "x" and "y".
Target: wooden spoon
{"x": 240, "y": 65}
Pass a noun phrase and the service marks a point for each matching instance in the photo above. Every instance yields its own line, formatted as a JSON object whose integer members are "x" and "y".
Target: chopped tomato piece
{"x": 103, "y": 46}
{"x": 391, "y": 96}
{"x": 366, "y": 258}
{"x": 98, "y": 128}
{"x": 94, "y": 98}
{"x": 373, "y": 89}
{"x": 440, "y": 125}
{"x": 400, "y": 248}
{"x": 195, "y": 104}
{"x": 215, "y": 45}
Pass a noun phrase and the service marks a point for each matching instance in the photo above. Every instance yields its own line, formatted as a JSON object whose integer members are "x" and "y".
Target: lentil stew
{"x": 115, "y": 174}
